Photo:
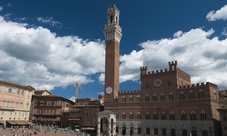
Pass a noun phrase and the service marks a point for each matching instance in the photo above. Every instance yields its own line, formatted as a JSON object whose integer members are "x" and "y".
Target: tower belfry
{"x": 112, "y": 32}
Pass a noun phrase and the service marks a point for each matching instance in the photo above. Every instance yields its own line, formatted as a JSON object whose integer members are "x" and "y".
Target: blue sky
{"x": 51, "y": 44}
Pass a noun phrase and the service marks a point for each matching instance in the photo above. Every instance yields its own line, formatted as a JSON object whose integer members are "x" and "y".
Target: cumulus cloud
{"x": 217, "y": 15}
{"x": 1, "y": 8}
{"x": 49, "y": 21}
{"x": 197, "y": 54}
{"x": 37, "y": 57}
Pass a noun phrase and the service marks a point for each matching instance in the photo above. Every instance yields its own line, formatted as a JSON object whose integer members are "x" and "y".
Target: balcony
{"x": 47, "y": 114}
{"x": 43, "y": 105}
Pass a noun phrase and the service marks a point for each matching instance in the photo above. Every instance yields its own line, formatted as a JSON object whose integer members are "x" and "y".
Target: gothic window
{"x": 203, "y": 115}
{"x": 147, "y": 85}
{"x": 163, "y": 132}
{"x": 123, "y": 99}
{"x": 117, "y": 116}
{"x": 147, "y": 115}
{"x": 138, "y": 115}
{"x": 155, "y": 115}
{"x": 171, "y": 96}
{"x": 191, "y": 95}
{"x": 155, "y": 131}
{"x": 111, "y": 19}
{"x": 138, "y": 99}
{"x": 130, "y": 115}
{"x": 148, "y": 131}
{"x": 163, "y": 115}
{"x": 201, "y": 93}
{"x": 172, "y": 115}
{"x": 154, "y": 97}
{"x": 130, "y": 98}
{"x": 147, "y": 98}
{"x": 183, "y": 116}
{"x": 173, "y": 132}
{"x": 123, "y": 116}
{"x": 162, "y": 97}
{"x": 169, "y": 83}
{"x": 193, "y": 115}
{"x": 182, "y": 96}
{"x": 139, "y": 130}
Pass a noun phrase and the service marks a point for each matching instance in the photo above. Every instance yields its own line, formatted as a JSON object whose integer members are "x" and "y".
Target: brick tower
{"x": 112, "y": 32}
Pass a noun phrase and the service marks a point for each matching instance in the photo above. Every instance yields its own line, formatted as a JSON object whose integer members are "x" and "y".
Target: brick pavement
{"x": 41, "y": 133}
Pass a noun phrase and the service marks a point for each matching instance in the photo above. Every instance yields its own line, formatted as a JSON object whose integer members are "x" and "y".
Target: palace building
{"x": 167, "y": 104}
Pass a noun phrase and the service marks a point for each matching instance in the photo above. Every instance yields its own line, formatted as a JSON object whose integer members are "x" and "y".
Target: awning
{"x": 77, "y": 119}
{"x": 88, "y": 128}
{"x": 20, "y": 122}
{"x": 77, "y": 126}
{"x": 29, "y": 123}
{"x": 2, "y": 121}
{"x": 11, "y": 122}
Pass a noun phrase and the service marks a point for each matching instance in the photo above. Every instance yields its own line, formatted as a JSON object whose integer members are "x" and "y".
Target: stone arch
{"x": 190, "y": 91}
{"x": 184, "y": 126}
{"x": 192, "y": 112}
{"x": 163, "y": 126}
{"x": 202, "y": 112}
{"x": 162, "y": 94}
{"x": 155, "y": 125}
{"x": 201, "y": 90}
{"x": 172, "y": 126}
{"x": 170, "y": 93}
{"x": 154, "y": 94}
{"x": 181, "y": 92}
{"x": 171, "y": 112}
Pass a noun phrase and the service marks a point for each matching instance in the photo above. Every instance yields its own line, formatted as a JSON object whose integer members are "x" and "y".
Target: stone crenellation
{"x": 130, "y": 91}
{"x": 197, "y": 85}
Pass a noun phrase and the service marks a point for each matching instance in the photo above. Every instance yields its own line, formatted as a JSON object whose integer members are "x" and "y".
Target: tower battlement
{"x": 129, "y": 91}
{"x": 197, "y": 85}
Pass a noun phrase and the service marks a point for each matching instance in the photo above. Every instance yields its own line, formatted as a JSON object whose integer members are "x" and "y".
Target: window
{"x": 183, "y": 116}
{"x": 163, "y": 116}
{"x": 18, "y": 92}
{"x": 193, "y": 115}
{"x": 123, "y": 116}
{"x": 117, "y": 116}
{"x": 191, "y": 95}
{"x": 147, "y": 115}
{"x": 162, "y": 97}
{"x": 169, "y": 83}
{"x": 171, "y": 96}
{"x": 155, "y": 131}
{"x": 147, "y": 85}
{"x": 138, "y": 99}
{"x": 0, "y": 88}
{"x": 130, "y": 115}
{"x": 123, "y": 99}
{"x": 201, "y": 94}
{"x": 164, "y": 132}
{"x": 154, "y": 97}
{"x": 148, "y": 131}
{"x": 203, "y": 115}
{"x": 130, "y": 98}
{"x": 172, "y": 115}
{"x": 147, "y": 98}
{"x": 173, "y": 133}
{"x": 139, "y": 130}
{"x": 224, "y": 118}
{"x": 182, "y": 97}
{"x": 138, "y": 115}
{"x": 155, "y": 116}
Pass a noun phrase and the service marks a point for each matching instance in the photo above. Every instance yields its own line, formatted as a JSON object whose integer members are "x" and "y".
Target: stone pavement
{"x": 41, "y": 133}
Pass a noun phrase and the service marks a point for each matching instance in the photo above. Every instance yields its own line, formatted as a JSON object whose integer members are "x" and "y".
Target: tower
{"x": 112, "y": 32}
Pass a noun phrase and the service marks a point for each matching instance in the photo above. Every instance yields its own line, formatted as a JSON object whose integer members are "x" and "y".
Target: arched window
{"x": 163, "y": 115}
{"x": 130, "y": 98}
{"x": 183, "y": 115}
{"x": 203, "y": 115}
{"x": 193, "y": 115}
{"x": 162, "y": 97}
{"x": 138, "y": 99}
{"x": 191, "y": 95}
{"x": 155, "y": 131}
{"x": 130, "y": 115}
{"x": 215, "y": 95}
{"x": 117, "y": 115}
{"x": 155, "y": 115}
{"x": 201, "y": 93}
{"x": 148, "y": 131}
{"x": 163, "y": 132}
{"x": 171, "y": 98}
{"x": 123, "y": 116}
{"x": 154, "y": 97}
{"x": 147, "y": 98}
{"x": 173, "y": 132}
{"x": 182, "y": 96}
{"x": 147, "y": 115}
{"x": 123, "y": 99}
{"x": 172, "y": 115}
{"x": 138, "y": 115}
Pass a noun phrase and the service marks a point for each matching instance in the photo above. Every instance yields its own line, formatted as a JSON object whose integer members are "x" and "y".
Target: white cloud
{"x": 197, "y": 54}
{"x": 1, "y": 8}
{"x": 220, "y": 14}
{"x": 49, "y": 21}
{"x": 37, "y": 57}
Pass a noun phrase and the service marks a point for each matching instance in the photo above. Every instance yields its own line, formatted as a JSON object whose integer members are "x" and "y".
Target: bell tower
{"x": 112, "y": 32}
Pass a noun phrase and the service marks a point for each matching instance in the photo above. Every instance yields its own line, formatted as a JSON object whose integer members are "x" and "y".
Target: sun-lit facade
{"x": 15, "y": 103}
